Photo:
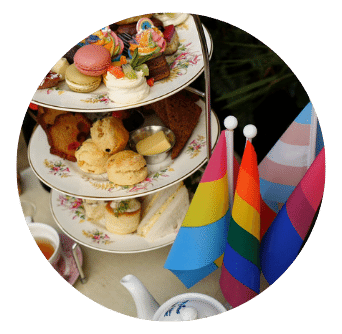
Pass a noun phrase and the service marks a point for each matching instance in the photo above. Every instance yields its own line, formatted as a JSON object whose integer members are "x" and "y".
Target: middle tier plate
{"x": 66, "y": 177}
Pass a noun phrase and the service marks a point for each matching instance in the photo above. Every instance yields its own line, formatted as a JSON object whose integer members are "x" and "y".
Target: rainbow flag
{"x": 200, "y": 242}
{"x": 286, "y": 163}
{"x": 240, "y": 276}
{"x": 283, "y": 240}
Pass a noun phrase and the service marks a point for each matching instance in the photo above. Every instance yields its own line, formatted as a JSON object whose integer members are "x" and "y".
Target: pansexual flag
{"x": 287, "y": 162}
{"x": 283, "y": 240}
{"x": 200, "y": 242}
{"x": 240, "y": 276}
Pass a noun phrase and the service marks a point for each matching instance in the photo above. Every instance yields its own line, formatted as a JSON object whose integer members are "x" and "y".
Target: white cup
{"x": 45, "y": 232}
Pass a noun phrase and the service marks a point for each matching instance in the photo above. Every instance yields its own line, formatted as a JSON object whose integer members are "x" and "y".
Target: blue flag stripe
{"x": 241, "y": 269}
{"x": 191, "y": 277}
{"x": 279, "y": 247}
{"x": 203, "y": 244}
{"x": 278, "y": 192}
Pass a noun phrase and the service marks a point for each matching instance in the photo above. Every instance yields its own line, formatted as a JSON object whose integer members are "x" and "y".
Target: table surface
{"x": 105, "y": 270}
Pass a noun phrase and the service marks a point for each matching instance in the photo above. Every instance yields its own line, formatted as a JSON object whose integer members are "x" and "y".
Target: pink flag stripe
{"x": 316, "y": 176}
{"x": 297, "y": 134}
{"x": 217, "y": 166}
{"x": 234, "y": 291}
{"x": 300, "y": 212}
{"x": 305, "y": 199}
{"x": 277, "y": 173}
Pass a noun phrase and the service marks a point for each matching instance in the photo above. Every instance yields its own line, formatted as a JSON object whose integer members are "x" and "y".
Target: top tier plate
{"x": 186, "y": 65}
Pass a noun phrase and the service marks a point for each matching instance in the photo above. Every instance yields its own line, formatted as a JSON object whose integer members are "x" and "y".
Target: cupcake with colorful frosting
{"x": 150, "y": 44}
{"x": 107, "y": 38}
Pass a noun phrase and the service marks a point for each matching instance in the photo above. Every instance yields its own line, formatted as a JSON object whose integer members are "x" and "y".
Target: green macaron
{"x": 79, "y": 82}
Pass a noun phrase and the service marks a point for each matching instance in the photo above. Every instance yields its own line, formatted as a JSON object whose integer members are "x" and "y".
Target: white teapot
{"x": 184, "y": 307}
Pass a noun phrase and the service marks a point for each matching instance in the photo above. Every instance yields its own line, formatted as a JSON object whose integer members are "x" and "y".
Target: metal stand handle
{"x": 207, "y": 81}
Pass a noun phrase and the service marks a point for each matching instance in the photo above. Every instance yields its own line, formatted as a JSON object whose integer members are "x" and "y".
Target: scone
{"x": 109, "y": 135}
{"x": 122, "y": 217}
{"x": 94, "y": 210}
{"x": 90, "y": 159}
{"x": 126, "y": 168}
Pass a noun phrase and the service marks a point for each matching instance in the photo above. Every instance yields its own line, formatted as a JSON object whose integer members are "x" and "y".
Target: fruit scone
{"x": 126, "y": 168}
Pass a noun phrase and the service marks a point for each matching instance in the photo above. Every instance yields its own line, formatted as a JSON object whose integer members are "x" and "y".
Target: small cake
{"x": 92, "y": 60}
{"x": 126, "y": 88}
{"x": 122, "y": 217}
{"x": 46, "y": 116}
{"x": 107, "y": 38}
{"x": 150, "y": 43}
{"x": 109, "y": 135}
{"x": 60, "y": 67}
{"x": 50, "y": 80}
{"x": 172, "y": 39}
{"x": 126, "y": 168}
{"x": 90, "y": 158}
{"x": 171, "y": 18}
{"x": 94, "y": 210}
{"x": 159, "y": 68}
{"x": 131, "y": 28}
{"x": 67, "y": 133}
{"x": 79, "y": 82}
{"x": 179, "y": 113}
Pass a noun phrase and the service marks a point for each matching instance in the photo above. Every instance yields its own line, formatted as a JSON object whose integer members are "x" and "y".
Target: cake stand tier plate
{"x": 66, "y": 177}
{"x": 186, "y": 65}
{"x": 69, "y": 215}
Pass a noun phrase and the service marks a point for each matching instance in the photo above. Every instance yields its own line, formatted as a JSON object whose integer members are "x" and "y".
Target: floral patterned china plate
{"x": 66, "y": 177}
{"x": 186, "y": 65}
{"x": 69, "y": 215}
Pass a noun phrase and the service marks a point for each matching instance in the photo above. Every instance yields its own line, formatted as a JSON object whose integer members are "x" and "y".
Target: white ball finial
{"x": 250, "y": 131}
{"x": 230, "y": 123}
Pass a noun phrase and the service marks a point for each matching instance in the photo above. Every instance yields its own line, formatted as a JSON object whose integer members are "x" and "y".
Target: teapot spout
{"x": 145, "y": 304}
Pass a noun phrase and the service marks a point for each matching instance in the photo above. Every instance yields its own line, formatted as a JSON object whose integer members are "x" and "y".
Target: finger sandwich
{"x": 163, "y": 212}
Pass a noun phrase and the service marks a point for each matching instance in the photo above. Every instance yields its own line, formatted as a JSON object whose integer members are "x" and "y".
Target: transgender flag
{"x": 287, "y": 162}
{"x": 200, "y": 243}
{"x": 283, "y": 240}
{"x": 240, "y": 276}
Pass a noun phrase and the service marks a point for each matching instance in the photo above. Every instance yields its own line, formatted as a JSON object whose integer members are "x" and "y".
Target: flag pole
{"x": 230, "y": 123}
{"x": 313, "y": 133}
{"x": 250, "y": 131}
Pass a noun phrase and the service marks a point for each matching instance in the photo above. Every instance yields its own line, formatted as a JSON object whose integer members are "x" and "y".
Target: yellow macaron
{"x": 79, "y": 82}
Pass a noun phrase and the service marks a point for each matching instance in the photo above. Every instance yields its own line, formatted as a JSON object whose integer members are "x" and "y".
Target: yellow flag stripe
{"x": 246, "y": 216}
{"x": 209, "y": 204}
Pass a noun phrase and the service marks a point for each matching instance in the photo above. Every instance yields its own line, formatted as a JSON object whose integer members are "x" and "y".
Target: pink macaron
{"x": 92, "y": 60}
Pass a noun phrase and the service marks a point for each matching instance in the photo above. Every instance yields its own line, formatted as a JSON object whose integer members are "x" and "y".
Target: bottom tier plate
{"x": 68, "y": 213}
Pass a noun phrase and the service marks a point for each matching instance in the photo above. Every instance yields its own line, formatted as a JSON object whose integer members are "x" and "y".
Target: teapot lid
{"x": 188, "y": 306}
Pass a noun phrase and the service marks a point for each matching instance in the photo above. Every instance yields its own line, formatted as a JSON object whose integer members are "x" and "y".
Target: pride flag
{"x": 283, "y": 240}
{"x": 240, "y": 276}
{"x": 200, "y": 242}
{"x": 287, "y": 162}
